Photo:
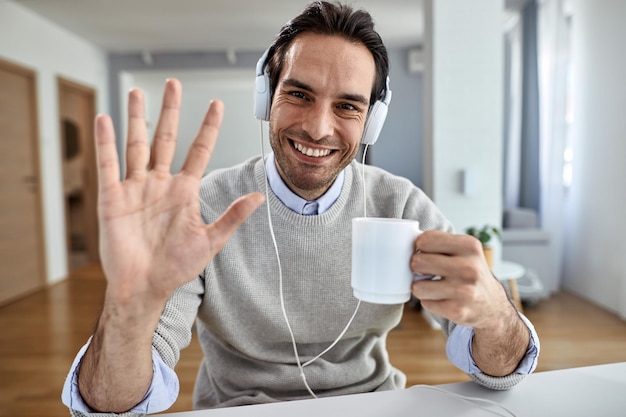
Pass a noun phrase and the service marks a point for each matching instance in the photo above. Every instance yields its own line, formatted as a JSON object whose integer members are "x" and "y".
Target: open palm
{"x": 152, "y": 237}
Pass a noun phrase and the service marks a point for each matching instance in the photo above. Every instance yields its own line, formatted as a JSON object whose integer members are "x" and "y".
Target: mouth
{"x": 311, "y": 152}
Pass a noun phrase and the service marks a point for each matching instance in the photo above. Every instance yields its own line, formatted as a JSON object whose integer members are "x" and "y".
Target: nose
{"x": 319, "y": 122}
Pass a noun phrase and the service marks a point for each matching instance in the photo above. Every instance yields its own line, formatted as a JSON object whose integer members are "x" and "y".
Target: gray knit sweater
{"x": 248, "y": 355}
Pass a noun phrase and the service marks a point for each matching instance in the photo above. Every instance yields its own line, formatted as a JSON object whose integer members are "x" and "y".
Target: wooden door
{"x": 77, "y": 113}
{"x": 22, "y": 260}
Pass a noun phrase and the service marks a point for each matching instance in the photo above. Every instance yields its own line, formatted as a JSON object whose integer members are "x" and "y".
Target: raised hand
{"x": 152, "y": 238}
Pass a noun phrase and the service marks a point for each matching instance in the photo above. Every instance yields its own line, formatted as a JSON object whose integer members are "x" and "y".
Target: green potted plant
{"x": 489, "y": 237}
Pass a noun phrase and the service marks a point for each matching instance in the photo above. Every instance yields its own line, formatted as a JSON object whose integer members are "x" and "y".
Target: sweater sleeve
{"x": 174, "y": 330}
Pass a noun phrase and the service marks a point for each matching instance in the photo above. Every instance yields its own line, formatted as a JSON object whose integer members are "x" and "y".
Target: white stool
{"x": 510, "y": 272}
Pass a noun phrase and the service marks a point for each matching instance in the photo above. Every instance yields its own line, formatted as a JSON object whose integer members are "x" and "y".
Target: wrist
{"x": 499, "y": 323}
{"x": 498, "y": 349}
{"x": 131, "y": 316}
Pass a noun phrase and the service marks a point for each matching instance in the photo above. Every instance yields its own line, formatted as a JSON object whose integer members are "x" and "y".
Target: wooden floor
{"x": 42, "y": 332}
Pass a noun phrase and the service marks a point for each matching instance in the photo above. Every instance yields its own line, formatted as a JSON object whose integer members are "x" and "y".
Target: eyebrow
{"x": 291, "y": 82}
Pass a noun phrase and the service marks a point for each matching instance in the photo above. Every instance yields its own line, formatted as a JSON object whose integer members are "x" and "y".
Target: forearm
{"x": 498, "y": 350}
{"x": 116, "y": 370}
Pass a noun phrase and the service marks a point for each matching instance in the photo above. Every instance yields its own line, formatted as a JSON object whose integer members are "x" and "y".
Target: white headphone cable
{"x": 359, "y": 301}
{"x": 280, "y": 271}
{"x": 363, "y": 179}
{"x": 280, "y": 280}
{"x": 473, "y": 400}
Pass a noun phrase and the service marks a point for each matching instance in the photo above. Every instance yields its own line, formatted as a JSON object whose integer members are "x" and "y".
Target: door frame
{"x": 90, "y": 179}
{"x": 31, "y": 77}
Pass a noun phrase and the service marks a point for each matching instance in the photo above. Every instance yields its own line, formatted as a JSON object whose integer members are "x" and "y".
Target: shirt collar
{"x": 294, "y": 201}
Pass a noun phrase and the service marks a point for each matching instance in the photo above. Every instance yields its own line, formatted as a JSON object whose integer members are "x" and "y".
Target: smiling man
{"x": 319, "y": 110}
{"x": 268, "y": 285}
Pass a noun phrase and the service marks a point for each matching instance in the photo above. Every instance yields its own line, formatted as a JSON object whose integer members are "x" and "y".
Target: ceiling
{"x": 207, "y": 25}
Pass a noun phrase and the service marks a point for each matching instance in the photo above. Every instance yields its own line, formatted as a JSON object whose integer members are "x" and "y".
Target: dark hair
{"x": 326, "y": 18}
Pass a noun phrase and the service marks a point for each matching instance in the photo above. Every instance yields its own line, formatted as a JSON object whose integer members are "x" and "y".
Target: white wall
{"x": 463, "y": 109}
{"x": 595, "y": 244}
{"x": 51, "y": 51}
{"x": 239, "y": 137}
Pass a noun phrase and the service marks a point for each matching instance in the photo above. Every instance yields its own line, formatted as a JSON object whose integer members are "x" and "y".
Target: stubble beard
{"x": 313, "y": 183}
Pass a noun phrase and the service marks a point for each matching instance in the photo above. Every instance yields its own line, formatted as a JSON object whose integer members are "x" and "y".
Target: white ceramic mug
{"x": 381, "y": 253}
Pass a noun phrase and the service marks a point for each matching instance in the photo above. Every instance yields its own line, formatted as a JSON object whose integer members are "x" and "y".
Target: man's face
{"x": 319, "y": 110}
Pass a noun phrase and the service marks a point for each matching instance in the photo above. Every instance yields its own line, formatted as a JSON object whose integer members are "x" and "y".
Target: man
{"x": 268, "y": 286}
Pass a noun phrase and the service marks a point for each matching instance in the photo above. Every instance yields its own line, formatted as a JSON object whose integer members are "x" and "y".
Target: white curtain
{"x": 513, "y": 108}
{"x": 554, "y": 62}
{"x": 522, "y": 147}
{"x": 537, "y": 116}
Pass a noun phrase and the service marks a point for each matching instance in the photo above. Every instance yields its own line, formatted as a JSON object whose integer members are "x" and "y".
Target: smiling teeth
{"x": 316, "y": 153}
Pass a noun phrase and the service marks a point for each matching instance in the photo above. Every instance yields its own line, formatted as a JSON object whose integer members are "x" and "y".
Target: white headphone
{"x": 263, "y": 100}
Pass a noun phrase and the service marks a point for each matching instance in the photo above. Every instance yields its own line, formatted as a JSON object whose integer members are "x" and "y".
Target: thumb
{"x": 233, "y": 217}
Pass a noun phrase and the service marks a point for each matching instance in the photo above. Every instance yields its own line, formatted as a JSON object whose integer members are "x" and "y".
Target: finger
{"x": 202, "y": 147}
{"x": 449, "y": 309}
{"x": 425, "y": 263}
{"x": 433, "y": 290}
{"x": 458, "y": 304}
{"x": 455, "y": 267}
{"x": 437, "y": 241}
{"x": 233, "y": 217}
{"x": 166, "y": 132}
{"x": 137, "y": 146}
{"x": 106, "y": 153}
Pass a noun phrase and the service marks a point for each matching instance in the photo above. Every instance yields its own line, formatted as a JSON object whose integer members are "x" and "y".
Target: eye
{"x": 298, "y": 94}
{"x": 348, "y": 106}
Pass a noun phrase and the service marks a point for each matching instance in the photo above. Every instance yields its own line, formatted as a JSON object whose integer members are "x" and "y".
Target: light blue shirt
{"x": 165, "y": 386}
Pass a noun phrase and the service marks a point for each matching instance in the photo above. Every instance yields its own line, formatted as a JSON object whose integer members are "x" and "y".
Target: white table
{"x": 587, "y": 391}
{"x": 510, "y": 272}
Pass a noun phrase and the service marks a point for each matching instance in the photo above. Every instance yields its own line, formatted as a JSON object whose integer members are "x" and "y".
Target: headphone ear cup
{"x": 374, "y": 123}
{"x": 262, "y": 97}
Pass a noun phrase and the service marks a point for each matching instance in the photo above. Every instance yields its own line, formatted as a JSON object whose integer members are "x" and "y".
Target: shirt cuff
{"x": 459, "y": 350}
{"x": 161, "y": 395}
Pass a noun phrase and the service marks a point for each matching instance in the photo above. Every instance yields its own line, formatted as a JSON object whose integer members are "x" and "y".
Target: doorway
{"x": 80, "y": 182}
{"x": 22, "y": 256}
